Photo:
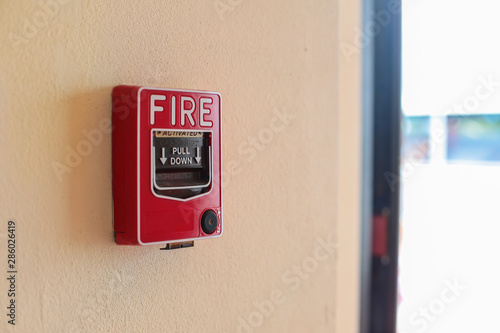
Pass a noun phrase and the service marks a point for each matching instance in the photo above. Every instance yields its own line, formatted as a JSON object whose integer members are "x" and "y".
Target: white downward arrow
{"x": 197, "y": 157}
{"x": 163, "y": 159}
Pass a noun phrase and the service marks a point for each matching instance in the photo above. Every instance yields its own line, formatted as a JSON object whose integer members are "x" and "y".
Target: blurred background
{"x": 450, "y": 167}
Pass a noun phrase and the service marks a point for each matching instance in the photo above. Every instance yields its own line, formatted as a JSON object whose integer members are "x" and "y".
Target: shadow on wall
{"x": 87, "y": 167}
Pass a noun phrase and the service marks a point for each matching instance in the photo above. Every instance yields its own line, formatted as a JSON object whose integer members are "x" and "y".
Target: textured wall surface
{"x": 274, "y": 62}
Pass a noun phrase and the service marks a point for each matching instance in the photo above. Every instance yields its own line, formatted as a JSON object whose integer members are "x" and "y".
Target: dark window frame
{"x": 381, "y": 157}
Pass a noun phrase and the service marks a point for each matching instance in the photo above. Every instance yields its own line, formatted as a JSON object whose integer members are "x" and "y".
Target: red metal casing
{"x": 144, "y": 212}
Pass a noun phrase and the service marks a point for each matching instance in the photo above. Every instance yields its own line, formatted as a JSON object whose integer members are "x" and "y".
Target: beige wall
{"x": 264, "y": 57}
{"x": 349, "y": 169}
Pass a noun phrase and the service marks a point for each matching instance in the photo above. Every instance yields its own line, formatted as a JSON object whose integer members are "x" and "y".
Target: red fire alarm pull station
{"x": 167, "y": 181}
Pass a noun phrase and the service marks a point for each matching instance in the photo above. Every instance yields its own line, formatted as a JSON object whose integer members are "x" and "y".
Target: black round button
{"x": 209, "y": 222}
